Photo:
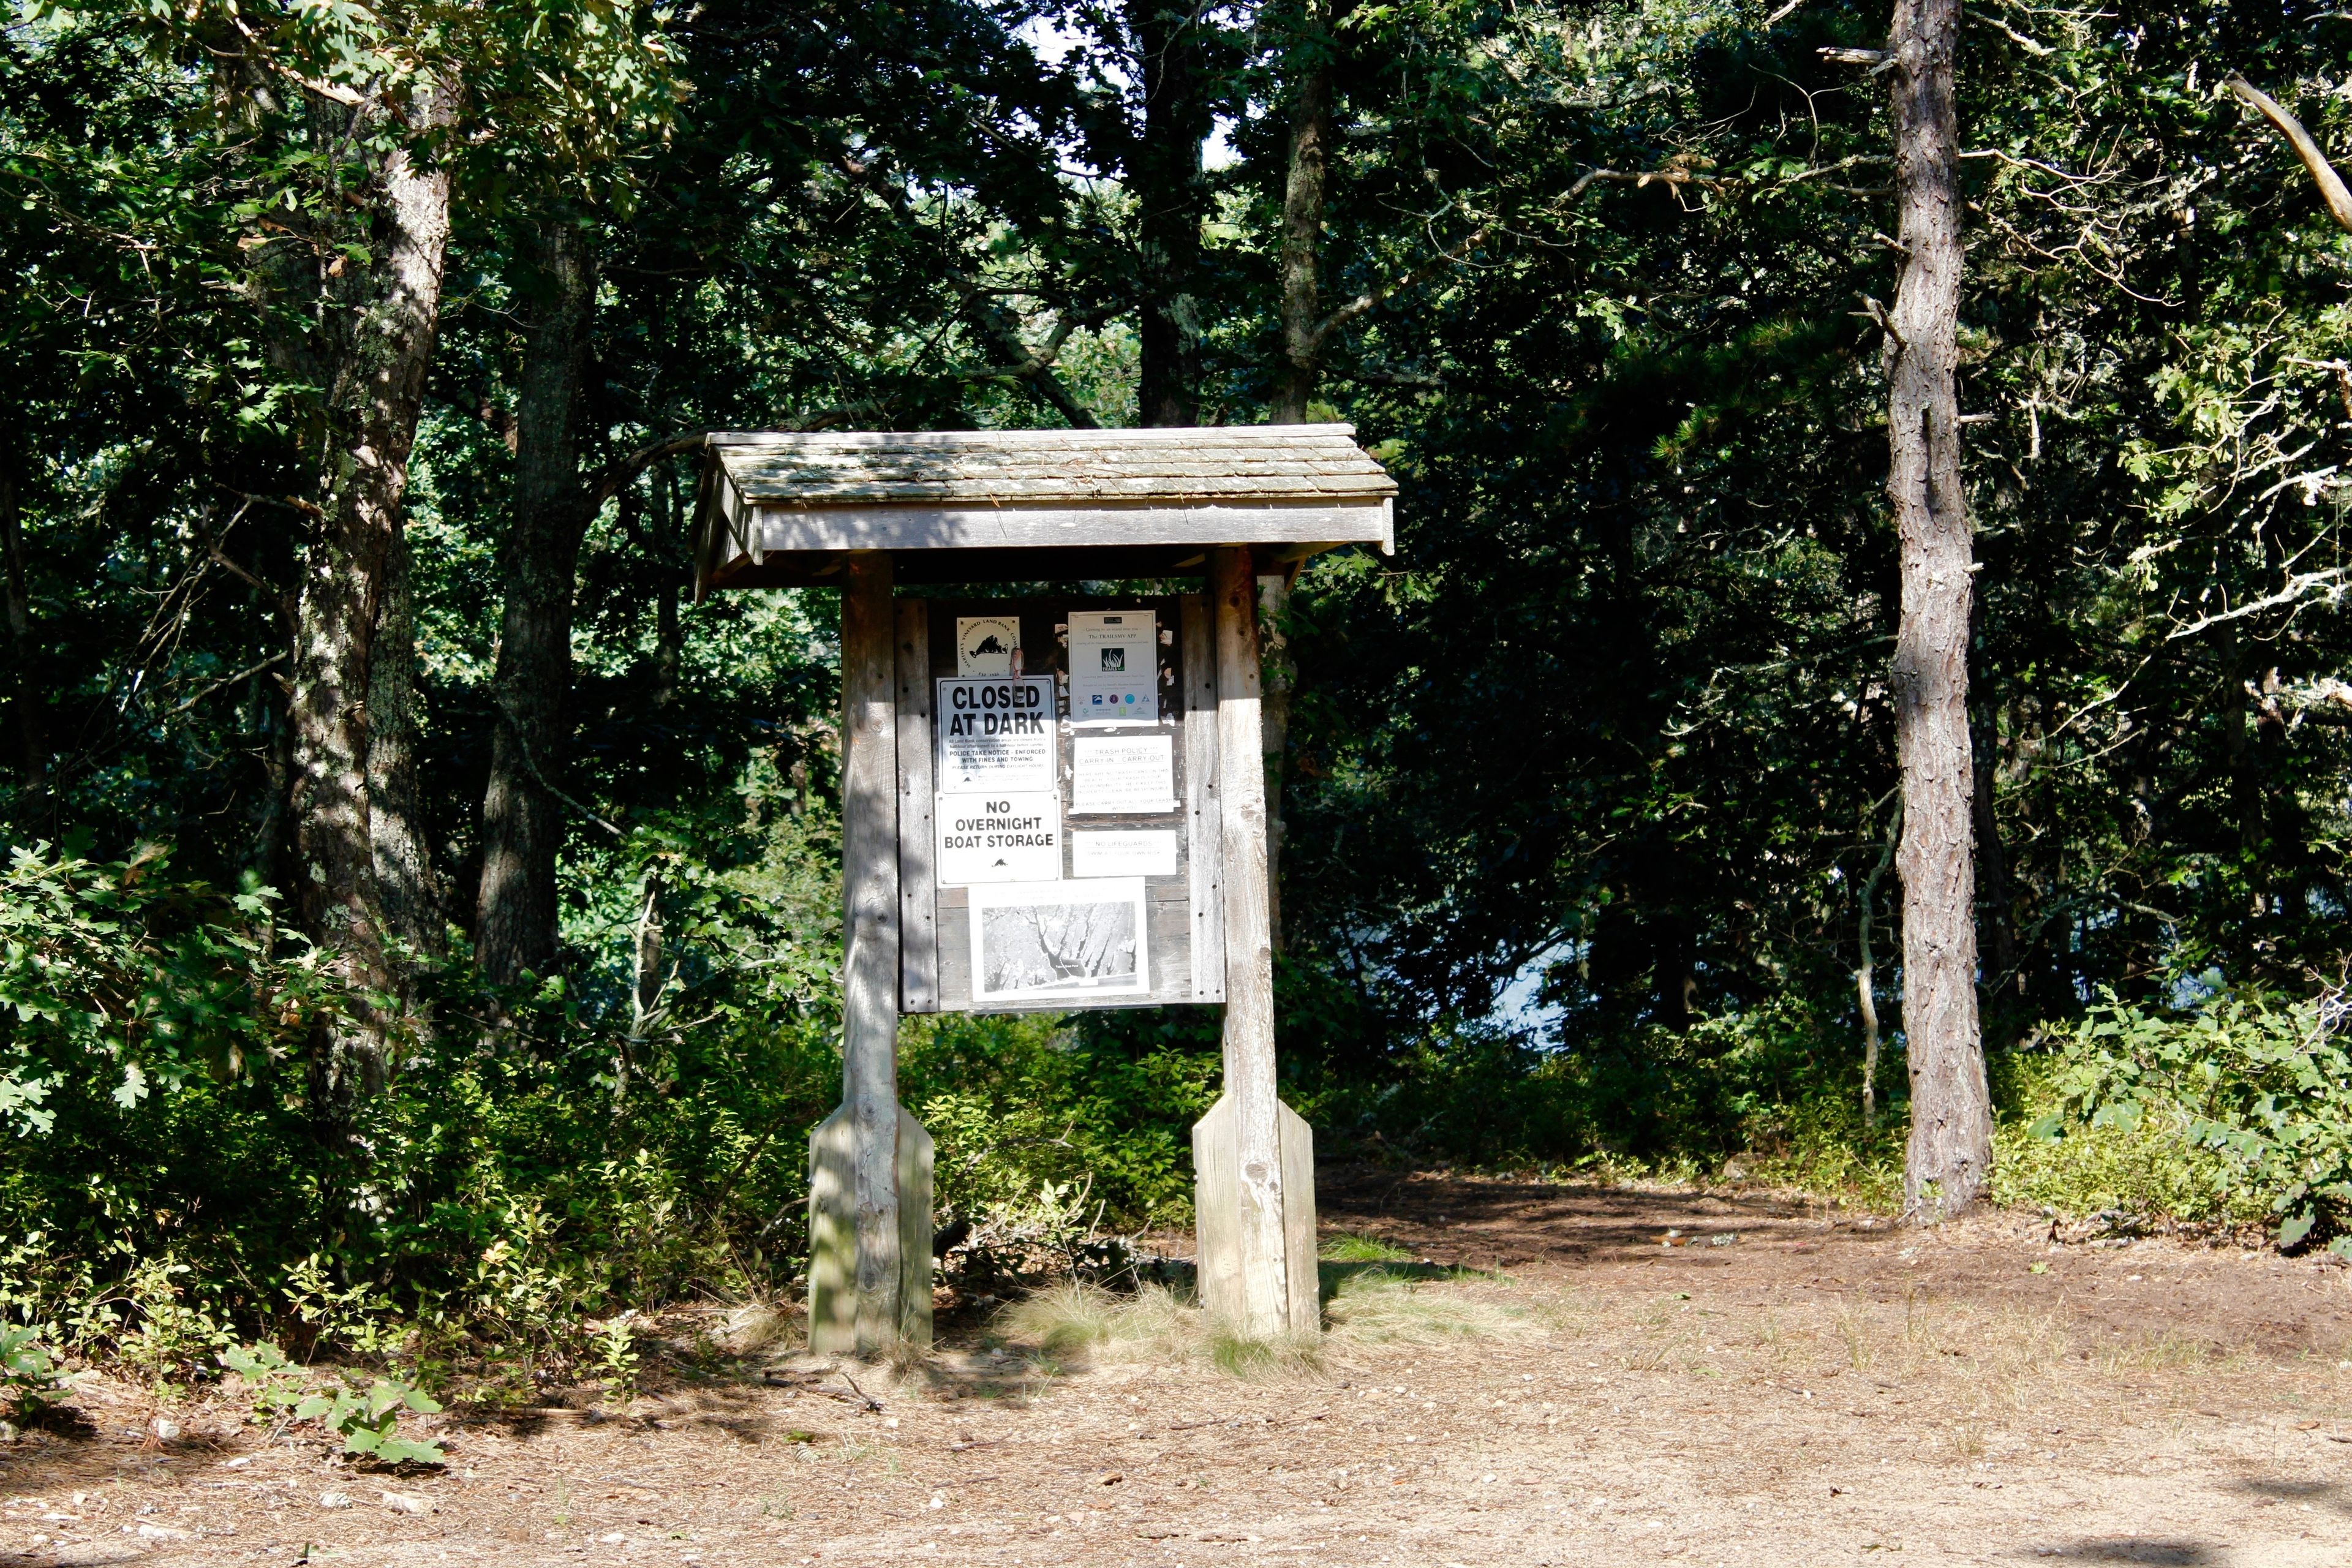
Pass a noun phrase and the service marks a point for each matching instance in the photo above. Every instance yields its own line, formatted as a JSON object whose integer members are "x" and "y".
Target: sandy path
{"x": 1811, "y": 1392}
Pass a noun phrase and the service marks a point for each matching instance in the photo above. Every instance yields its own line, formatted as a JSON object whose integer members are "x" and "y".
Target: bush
{"x": 2236, "y": 1111}
{"x": 1774, "y": 1084}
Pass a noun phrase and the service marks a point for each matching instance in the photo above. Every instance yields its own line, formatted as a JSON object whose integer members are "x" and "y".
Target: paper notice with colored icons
{"x": 1114, "y": 666}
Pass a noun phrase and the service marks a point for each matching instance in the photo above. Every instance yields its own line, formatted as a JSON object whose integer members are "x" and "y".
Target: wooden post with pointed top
{"x": 869, "y": 1162}
{"x": 1254, "y": 1157}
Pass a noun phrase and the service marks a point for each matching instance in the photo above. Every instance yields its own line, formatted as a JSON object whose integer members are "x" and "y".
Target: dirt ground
{"x": 1782, "y": 1385}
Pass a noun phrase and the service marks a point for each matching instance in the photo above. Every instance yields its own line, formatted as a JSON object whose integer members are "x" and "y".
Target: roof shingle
{"x": 1219, "y": 464}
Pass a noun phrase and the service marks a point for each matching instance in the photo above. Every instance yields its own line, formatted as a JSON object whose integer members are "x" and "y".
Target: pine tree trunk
{"x": 388, "y": 333}
{"x": 1950, "y": 1148}
{"x": 1303, "y": 199}
{"x": 1302, "y": 234}
{"x": 1172, "y": 191}
{"x": 523, "y": 821}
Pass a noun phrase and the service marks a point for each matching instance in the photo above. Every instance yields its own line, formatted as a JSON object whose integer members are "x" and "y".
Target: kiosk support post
{"x": 1253, "y": 1156}
{"x": 869, "y": 1162}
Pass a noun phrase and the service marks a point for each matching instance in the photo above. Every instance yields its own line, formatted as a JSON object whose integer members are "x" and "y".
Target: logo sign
{"x": 988, "y": 645}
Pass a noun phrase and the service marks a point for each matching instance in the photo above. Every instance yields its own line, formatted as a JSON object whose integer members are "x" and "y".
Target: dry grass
{"x": 1379, "y": 1305}
{"x": 1076, "y": 1325}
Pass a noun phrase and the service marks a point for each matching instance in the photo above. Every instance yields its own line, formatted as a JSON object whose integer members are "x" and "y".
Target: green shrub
{"x": 2238, "y": 1109}
{"x": 368, "y": 1421}
{"x": 29, "y": 1377}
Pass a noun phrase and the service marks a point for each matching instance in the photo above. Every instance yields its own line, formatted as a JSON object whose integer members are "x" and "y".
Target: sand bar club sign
{"x": 1050, "y": 802}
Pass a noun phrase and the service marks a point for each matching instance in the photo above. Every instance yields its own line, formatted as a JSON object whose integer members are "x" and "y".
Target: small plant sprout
{"x": 369, "y": 1422}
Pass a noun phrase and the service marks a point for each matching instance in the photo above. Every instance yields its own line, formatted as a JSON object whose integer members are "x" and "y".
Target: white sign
{"x": 988, "y": 645}
{"x": 1146, "y": 852}
{"x": 995, "y": 737}
{"x": 1043, "y": 939}
{"x": 1123, "y": 773}
{"x": 998, "y": 837}
{"x": 1114, "y": 666}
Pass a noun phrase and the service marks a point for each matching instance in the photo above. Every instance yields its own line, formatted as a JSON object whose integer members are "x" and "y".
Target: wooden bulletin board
{"x": 1181, "y": 953}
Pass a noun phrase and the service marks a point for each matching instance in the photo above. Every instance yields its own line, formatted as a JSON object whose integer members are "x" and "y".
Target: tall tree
{"x": 522, "y": 820}
{"x": 1306, "y": 182}
{"x": 1171, "y": 189}
{"x": 1950, "y": 1150}
{"x": 405, "y": 881}
{"x": 381, "y": 315}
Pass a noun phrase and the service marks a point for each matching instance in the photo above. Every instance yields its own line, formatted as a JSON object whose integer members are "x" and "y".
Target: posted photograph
{"x": 1038, "y": 940}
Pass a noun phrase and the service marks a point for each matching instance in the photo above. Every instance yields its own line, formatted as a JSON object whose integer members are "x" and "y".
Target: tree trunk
{"x": 1294, "y": 388}
{"x": 523, "y": 821}
{"x": 266, "y": 856}
{"x": 370, "y": 423}
{"x": 25, "y": 700}
{"x": 1302, "y": 231}
{"x": 404, "y": 867}
{"x": 1172, "y": 191}
{"x": 1950, "y": 1147}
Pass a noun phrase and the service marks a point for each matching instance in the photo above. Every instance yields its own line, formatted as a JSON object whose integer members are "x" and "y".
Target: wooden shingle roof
{"x": 1029, "y": 467}
{"x": 976, "y": 506}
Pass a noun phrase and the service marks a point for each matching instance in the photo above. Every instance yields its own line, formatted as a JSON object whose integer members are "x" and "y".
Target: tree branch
{"x": 2323, "y": 174}
{"x": 1365, "y": 303}
{"x": 615, "y": 476}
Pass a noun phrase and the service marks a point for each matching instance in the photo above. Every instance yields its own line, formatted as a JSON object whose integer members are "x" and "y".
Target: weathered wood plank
{"x": 833, "y": 1233}
{"x": 1204, "y": 806}
{"x": 1216, "y": 1211}
{"x": 1298, "y": 1242}
{"x": 918, "y": 937}
{"x": 1249, "y": 956}
{"x": 821, "y": 568}
{"x": 771, "y": 528}
{"x": 869, "y": 854}
{"x": 915, "y": 1159}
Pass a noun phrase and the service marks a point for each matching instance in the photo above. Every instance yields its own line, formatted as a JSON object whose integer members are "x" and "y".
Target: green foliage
{"x": 617, "y": 1357}
{"x": 1774, "y": 1085}
{"x": 116, "y": 976}
{"x": 1028, "y": 1109}
{"x": 368, "y": 1421}
{"x": 2238, "y": 1109}
{"x": 274, "y": 1383}
{"x": 29, "y": 1377}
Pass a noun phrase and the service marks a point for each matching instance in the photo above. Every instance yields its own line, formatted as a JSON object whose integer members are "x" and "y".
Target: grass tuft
{"x": 1352, "y": 1248}
{"x": 1377, "y": 1306}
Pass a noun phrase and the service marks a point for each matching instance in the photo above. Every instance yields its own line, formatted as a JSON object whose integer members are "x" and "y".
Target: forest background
{"x": 1586, "y": 798}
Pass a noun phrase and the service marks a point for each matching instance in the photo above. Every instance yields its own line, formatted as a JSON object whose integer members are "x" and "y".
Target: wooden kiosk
{"x": 1049, "y": 802}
